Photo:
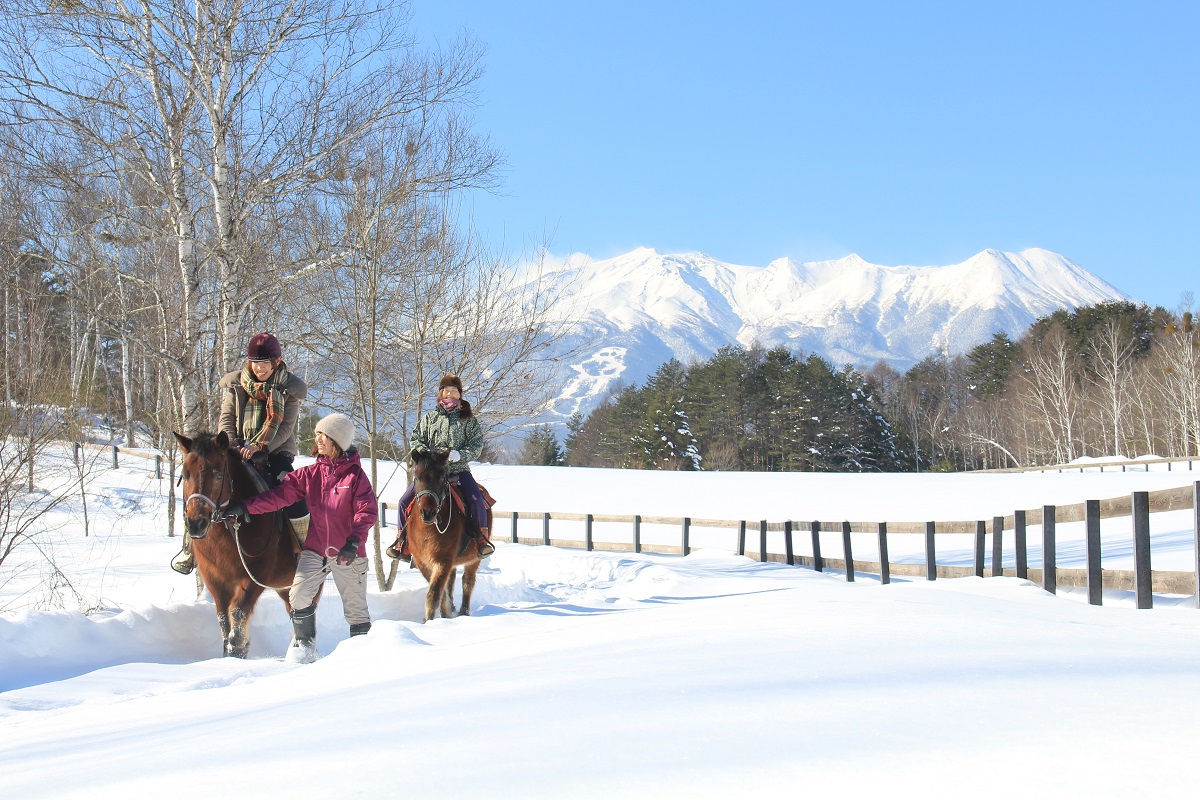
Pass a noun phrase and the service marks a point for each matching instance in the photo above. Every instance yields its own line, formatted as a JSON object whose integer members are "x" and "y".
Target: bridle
{"x": 439, "y": 499}
{"x": 216, "y": 516}
{"x": 232, "y": 523}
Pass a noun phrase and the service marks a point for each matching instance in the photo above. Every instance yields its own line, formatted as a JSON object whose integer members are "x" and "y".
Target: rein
{"x": 235, "y": 527}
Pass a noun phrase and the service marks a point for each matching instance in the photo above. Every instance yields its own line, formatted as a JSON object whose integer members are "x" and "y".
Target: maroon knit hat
{"x": 263, "y": 347}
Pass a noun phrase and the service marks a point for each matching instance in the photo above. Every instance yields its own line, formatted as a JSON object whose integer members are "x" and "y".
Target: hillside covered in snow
{"x": 638, "y": 310}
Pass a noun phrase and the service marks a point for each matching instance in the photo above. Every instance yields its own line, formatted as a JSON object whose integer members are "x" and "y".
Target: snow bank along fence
{"x": 1010, "y": 530}
{"x": 1142, "y": 580}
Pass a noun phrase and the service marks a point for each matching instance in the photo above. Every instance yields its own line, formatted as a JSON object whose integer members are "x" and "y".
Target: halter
{"x": 437, "y": 514}
{"x": 216, "y": 516}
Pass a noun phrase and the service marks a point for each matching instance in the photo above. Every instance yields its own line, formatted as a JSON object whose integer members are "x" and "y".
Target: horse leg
{"x": 468, "y": 586}
{"x": 437, "y": 589}
{"x": 222, "y": 597}
{"x": 448, "y": 595}
{"x": 243, "y": 607}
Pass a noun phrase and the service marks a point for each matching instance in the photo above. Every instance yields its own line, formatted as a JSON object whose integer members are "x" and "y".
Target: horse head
{"x": 208, "y": 466}
{"x": 431, "y": 477}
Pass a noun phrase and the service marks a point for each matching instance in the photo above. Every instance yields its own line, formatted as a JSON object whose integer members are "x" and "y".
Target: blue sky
{"x": 910, "y": 133}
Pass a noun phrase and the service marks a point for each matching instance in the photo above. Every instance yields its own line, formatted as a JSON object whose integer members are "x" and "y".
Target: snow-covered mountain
{"x": 638, "y": 310}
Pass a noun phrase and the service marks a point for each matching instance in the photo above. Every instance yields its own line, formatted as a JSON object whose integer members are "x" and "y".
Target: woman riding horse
{"x": 237, "y": 561}
{"x": 260, "y": 404}
{"x": 452, "y": 426}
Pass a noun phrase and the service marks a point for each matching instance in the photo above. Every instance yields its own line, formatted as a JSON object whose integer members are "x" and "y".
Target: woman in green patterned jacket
{"x": 452, "y": 426}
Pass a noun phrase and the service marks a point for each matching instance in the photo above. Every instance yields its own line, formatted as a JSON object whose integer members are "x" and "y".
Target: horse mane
{"x": 430, "y": 467}
{"x": 205, "y": 444}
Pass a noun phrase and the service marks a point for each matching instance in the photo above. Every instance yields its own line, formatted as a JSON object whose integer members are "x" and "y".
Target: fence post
{"x": 847, "y": 552}
{"x": 383, "y": 515}
{"x": 762, "y": 541}
{"x": 514, "y": 527}
{"x": 637, "y": 533}
{"x": 1141, "y": 550}
{"x": 997, "y": 547}
{"x": 1049, "y": 551}
{"x": 1095, "y": 579}
{"x": 114, "y": 456}
{"x": 1020, "y": 545}
{"x": 546, "y": 528}
{"x": 158, "y": 467}
{"x": 930, "y": 555}
{"x": 818, "y": 564}
{"x": 684, "y": 547}
{"x": 980, "y": 534}
{"x": 741, "y": 537}
{"x": 78, "y": 449}
{"x": 1196, "y": 532}
{"x": 885, "y": 571}
{"x": 787, "y": 543}
{"x": 587, "y": 531}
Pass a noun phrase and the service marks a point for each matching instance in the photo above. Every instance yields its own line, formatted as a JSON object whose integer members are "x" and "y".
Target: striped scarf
{"x": 264, "y": 405}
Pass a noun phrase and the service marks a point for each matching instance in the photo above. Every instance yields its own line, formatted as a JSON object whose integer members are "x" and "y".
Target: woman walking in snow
{"x": 343, "y": 510}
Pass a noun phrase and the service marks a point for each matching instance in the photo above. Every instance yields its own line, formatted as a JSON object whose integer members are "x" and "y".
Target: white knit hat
{"x": 339, "y": 428}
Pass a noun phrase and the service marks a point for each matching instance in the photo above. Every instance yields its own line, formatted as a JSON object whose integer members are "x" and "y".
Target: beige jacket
{"x": 233, "y": 402}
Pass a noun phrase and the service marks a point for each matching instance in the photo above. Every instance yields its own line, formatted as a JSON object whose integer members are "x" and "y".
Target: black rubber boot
{"x": 304, "y": 627}
{"x": 359, "y": 628}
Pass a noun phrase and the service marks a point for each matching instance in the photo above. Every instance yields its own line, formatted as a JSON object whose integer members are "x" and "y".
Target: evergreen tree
{"x": 541, "y": 448}
{"x": 715, "y": 404}
{"x": 989, "y": 366}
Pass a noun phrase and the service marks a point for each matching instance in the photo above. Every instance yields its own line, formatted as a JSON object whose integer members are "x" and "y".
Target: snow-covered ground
{"x": 611, "y": 674}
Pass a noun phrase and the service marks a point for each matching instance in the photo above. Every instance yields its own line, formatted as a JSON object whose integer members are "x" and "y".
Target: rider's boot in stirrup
{"x": 186, "y": 562}
{"x": 486, "y": 548}
{"x": 396, "y": 550}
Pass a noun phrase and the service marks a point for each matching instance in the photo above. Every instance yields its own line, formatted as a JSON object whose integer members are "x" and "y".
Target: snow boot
{"x": 396, "y": 549}
{"x": 359, "y": 628}
{"x": 304, "y": 627}
{"x": 486, "y": 548}
{"x": 185, "y": 562}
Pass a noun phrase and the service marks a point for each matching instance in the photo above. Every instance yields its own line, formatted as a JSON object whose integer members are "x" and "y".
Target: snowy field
{"x": 610, "y": 674}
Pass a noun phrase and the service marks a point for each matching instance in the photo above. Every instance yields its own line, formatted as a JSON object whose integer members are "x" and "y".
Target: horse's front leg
{"x": 448, "y": 595}
{"x": 437, "y": 591}
{"x": 243, "y": 606}
{"x": 221, "y": 599}
{"x": 468, "y": 586}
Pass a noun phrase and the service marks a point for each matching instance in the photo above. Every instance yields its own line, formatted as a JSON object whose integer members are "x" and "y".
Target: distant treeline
{"x": 1114, "y": 379}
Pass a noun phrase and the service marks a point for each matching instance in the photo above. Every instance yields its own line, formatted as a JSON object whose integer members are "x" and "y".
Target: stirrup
{"x": 396, "y": 550}
{"x": 184, "y": 564}
{"x": 484, "y": 543}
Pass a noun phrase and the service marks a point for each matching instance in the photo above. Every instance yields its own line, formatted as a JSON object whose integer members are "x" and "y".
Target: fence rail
{"x": 1142, "y": 580}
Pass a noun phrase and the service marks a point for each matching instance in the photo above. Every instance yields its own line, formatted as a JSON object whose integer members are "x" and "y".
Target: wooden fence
{"x": 1142, "y": 580}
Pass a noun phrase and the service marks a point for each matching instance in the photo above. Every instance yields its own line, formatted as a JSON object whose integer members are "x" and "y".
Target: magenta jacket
{"x": 340, "y": 499}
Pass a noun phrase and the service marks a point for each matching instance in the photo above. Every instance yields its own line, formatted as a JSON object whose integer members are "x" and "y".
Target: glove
{"x": 454, "y": 456}
{"x": 237, "y": 509}
{"x": 348, "y": 553}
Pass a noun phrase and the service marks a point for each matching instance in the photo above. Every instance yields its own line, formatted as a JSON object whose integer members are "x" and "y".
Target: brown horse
{"x": 237, "y": 559}
{"x": 438, "y": 536}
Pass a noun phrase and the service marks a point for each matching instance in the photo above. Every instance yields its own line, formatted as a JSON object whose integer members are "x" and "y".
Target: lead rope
{"x": 235, "y": 526}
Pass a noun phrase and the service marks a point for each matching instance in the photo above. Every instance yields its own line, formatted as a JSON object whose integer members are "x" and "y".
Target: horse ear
{"x": 223, "y": 440}
{"x": 185, "y": 444}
